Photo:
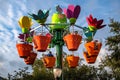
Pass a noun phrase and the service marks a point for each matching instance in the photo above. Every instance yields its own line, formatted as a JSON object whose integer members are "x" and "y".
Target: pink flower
{"x": 72, "y": 13}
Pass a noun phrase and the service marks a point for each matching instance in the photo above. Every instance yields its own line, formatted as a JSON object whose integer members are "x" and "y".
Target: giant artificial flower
{"x": 25, "y": 23}
{"x": 72, "y": 13}
{"x": 58, "y": 18}
{"x": 94, "y": 24}
{"x": 26, "y": 37}
{"x": 41, "y": 16}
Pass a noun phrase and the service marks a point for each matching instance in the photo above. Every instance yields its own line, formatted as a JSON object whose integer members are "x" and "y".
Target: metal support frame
{"x": 58, "y": 35}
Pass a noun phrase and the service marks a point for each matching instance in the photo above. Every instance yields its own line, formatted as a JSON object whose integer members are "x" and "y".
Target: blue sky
{"x": 12, "y": 10}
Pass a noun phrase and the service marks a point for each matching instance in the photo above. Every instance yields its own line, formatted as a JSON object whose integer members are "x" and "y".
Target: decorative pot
{"x": 31, "y": 58}
{"x": 93, "y": 47}
{"x": 72, "y": 41}
{"x": 72, "y": 61}
{"x": 89, "y": 59}
{"x": 41, "y": 42}
{"x": 49, "y": 62}
{"x": 24, "y": 50}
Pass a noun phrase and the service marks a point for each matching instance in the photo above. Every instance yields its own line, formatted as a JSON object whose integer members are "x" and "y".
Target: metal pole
{"x": 59, "y": 50}
{"x": 59, "y": 59}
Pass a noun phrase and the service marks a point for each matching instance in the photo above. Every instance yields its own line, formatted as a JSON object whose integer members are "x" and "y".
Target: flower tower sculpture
{"x": 57, "y": 36}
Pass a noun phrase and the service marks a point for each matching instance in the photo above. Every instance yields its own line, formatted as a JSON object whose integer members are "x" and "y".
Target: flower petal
{"x": 59, "y": 9}
{"x": 25, "y": 22}
{"x": 65, "y": 11}
{"x": 76, "y": 11}
{"x": 34, "y": 16}
{"x": 21, "y": 36}
{"x": 88, "y": 21}
{"x": 90, "y": 17}
{"x": 99, "y": 22}
{"x": 41, "y": 14}
{"x": 46, "y": 14}
{"x": 20, "y": 24}
{"x": 94, "y": 22}
{"x": 71, "y": 7}
{"x": 99, "y": 27}
{"x": 69, "y": 14}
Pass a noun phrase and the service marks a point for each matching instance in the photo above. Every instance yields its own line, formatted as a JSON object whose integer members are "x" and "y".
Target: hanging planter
{"x": 72, "y": 41}
{"x": 89, "y": 59}
{"x": 24, "y": 49}
{"x": 93, "y": 47}
{"x": 41, "y": 42}
{"x": 72, "y": 61}
{"x": 31, "y": 58}
{"x": 49, "y": 61}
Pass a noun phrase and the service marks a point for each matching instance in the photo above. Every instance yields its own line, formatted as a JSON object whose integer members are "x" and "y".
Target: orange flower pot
{"x": 72, "y": 61}
{"x": 24, "y": 50}
{"x": 49, "y": 62}
{"x": 93, "y": 48}
{"x": 89, "y": 59}
{"x": 41, "y": 42}
{"x": 72, "y": 41}
{"x": 30, "y": 59}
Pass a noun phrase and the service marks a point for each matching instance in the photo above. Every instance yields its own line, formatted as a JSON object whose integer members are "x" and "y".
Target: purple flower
{"x": 26, "y": 36}
{"x": 22, "y": 36}
{"x": 72, "y": 12}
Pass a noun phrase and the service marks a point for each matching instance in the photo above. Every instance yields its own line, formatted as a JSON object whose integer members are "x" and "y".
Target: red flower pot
{"x": 89, "y": 59}
{"x": 41, "y": 42}
{"x": 31, "y": 58}
{"x": 72, "y": 41}
{"x": 49, "y": 62}
{"x": 93, "y": 47}
{"x": 24, "y": 49}
{"x": 72, "y": 61}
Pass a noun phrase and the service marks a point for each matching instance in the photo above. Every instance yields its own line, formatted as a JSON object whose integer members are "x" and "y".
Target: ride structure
{"x": 57, "y": 34}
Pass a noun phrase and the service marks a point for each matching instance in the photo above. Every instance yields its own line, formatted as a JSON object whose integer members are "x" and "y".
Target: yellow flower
{"x": 25, "y": 22}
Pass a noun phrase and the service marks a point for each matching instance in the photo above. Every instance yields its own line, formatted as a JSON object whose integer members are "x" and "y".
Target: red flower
{"x": 94, "y": 22}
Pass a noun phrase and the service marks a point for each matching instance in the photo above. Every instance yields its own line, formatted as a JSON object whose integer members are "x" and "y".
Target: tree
{"x": 40, "y": 72}
{"x": 112, "y": 60}
{"x": 1, "y": 78}
{"x": 22, "y": 74}
{"x": 82, "y": 72}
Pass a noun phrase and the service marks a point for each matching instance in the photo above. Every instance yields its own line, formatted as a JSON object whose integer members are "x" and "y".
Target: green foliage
{"x": 82, "y": 72}
{"x": 113, "y": 42}
{"x": 1, "y": 78}
{"x": 40, "y": 72}
{"x": 22, "y": 74}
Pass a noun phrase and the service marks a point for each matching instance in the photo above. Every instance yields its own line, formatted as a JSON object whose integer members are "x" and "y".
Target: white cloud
{"x": 2, "y": 19}
{"x": 9, "y": 30}
{"x": 10, "y": 11}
